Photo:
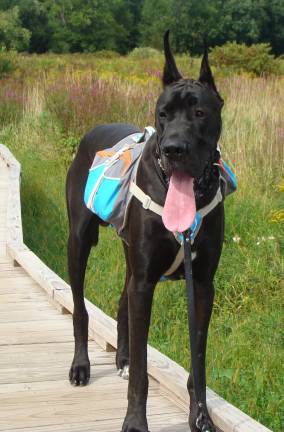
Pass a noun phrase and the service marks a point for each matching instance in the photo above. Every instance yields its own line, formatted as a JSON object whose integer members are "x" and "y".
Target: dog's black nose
{"x": 174, "y": 151}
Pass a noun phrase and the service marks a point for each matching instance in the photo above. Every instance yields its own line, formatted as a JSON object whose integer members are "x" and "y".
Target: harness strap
{"x": 209, "y": 207}
{"x": 178, "y": 260}
{"x": 147, "y": 202}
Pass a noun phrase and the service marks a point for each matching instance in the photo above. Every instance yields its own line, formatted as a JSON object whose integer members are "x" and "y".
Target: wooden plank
{"x": 27, "y": 333}
{"x": 61, "y": 323}
{"x": 14, "y": 282}
{"x": 25, "y": 306}
{"x": 22, "y": 296}
{"x": 5, "y": 265}
{"x": 21, "y": 290}
{"x": 3, "y": 248}
{"x": 62, "y": 385}
{"x": 58, "y": 363}
{"x": 93, "y": 392}
{"x": 68, "y": 407}
{"x": 28, "y": 315}
{"x": 52, "y": 379}
{"x": 14, "y": 273}
{"x": 41, "y": 373}
{"x": 174, "y": 423}
{"x": 60, "y": 354}
{"x": 42, "y": 274}
{"x": 98, "y": 379}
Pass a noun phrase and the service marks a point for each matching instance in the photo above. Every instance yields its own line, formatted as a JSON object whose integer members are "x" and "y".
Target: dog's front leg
{"x": 199, "y": 419}
{"x": 140, "y": 296}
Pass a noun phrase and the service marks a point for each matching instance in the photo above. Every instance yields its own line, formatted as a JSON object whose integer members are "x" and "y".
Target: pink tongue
{"x": 179, "y": 209}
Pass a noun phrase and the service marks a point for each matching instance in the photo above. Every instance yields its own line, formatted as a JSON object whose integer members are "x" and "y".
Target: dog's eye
{"x": 162, "y": 114}
{"x": 199, "y": 113}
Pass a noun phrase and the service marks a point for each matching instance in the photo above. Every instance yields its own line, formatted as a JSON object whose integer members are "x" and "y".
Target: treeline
{"x": 64, "y": 26}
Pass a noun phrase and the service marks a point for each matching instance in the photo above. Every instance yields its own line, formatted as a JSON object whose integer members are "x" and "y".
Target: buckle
{"x": 147, "y": 202}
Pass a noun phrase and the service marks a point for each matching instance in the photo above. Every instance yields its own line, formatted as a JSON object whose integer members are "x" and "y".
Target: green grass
{"x": 245, "y": 346}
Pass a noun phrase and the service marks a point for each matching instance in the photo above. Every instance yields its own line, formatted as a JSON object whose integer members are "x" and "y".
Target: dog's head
{"x": 188, "y": 118}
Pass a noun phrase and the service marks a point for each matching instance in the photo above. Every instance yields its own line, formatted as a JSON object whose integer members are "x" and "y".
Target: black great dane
{"x": 184, "y": 150}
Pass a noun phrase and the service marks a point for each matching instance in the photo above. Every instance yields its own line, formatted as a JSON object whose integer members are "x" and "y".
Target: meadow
{"x": 46, "y": 105}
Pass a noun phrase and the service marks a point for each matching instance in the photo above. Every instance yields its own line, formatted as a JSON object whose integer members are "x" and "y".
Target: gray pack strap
{"x": 209, "y": 207}
{"x": 148, "y": 203}
{"x": 146, "y": 200}
{"x": 178, "y": 260}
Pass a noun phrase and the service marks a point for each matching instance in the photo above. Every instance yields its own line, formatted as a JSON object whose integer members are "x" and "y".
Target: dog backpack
{"x": 107, "y": 191}
{"x": 227, "y": 176}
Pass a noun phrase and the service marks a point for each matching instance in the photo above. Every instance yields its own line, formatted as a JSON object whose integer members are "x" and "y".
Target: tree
{"x": 34, "y": 16}
{"x": 12, "y": 34}
{"x": 121, "y": 25}
{"x": 155, "y": 20}
{"x": 193, "y": 22}
{"x": 128, "y": 15}
{"x": 272, "y": 26}
{"x": 218, "y": 21}
{"x": 85, "y": 26}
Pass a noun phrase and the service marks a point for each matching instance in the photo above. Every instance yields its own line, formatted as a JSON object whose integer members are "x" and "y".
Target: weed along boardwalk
{"x": 36, "y": 349}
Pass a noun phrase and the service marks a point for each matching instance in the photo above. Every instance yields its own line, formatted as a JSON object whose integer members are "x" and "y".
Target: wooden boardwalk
{"x": 36, "y": 349}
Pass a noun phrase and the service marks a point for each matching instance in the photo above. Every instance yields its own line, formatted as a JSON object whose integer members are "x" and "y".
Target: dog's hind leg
{"x": 122, "y": 355}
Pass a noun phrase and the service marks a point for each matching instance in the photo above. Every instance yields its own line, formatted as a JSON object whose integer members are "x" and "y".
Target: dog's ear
{"x": 205, "y": 76}
{"x": 171, "y": 73}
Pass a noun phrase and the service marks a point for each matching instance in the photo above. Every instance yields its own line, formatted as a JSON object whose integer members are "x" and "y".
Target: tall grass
{"x": 253, "y": 132}
{"x": 12, "y": 101}
{"x": 58, "y": 101}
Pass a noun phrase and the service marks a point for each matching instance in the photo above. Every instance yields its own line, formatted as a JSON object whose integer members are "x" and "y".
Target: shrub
{"x": 7, "y": 62}
{"x": 256, "y": 59}
{"x": 66, "y": 148}
{"x": 107, "y": 54}
{"x": 144, "y": 53}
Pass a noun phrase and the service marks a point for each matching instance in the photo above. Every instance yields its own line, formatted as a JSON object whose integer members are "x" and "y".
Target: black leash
{"x": 191, "y": 318}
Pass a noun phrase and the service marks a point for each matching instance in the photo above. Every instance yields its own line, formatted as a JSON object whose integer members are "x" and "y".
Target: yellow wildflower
{"x": 280, "y": 186}
{"x": 277, "y": 216}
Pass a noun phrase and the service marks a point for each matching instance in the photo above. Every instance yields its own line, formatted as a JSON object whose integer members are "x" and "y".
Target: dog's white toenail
{"x": 125, "y": 373}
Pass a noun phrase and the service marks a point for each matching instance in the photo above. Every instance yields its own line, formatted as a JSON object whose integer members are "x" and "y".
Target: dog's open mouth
{"x": 180, "y": 208}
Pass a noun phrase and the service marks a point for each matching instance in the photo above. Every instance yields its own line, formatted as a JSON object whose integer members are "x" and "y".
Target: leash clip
{"x": 147, "y": 202}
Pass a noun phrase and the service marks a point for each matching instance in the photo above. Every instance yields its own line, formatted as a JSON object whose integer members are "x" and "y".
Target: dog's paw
{"x": 133, "y": 428}
{"x": 79, "y": 373}
{"x": 133, "y": 423}
{"x": 205, "y": 425}
{"x": 124, "y": 372}
{"x": 201, "y": 422}
{"x": 122, "y": 359}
